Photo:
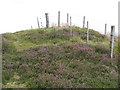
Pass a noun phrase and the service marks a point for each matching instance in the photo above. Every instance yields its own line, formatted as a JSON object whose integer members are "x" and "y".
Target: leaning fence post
{"x": 58, "y": 18}
{"x": 38, "y": 22}
{"x": 67, "y": 19}
{"x": 112, "y": 41}
{"x": 71, "y": 26}
{"x": 87, "y": 32}
{"x": 84, "y": 22}
{"x": 105, "y": 28}
{"x": 47, "y": 20}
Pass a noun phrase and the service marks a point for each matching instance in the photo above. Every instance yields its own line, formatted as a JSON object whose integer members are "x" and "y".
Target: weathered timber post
{"x": 84, "y": 22}
{"x": 71, "y": 33}
{"x": 31, "y": 27}
{"x": 112, "y": 41}
{"x": 67, "y": 19}
{"x": 87, "y": 31}
{"x": 105, "y": 29}
{"x": 58, "y": 18}
{"x": 38, "y": 22}
{"x": 47, "y": 20}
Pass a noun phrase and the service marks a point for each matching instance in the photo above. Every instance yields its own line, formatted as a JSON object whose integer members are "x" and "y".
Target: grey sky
{"x": 19, "y": 15}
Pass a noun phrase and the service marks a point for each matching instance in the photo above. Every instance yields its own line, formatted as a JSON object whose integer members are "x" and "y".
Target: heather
{"x": 52, "y": 58}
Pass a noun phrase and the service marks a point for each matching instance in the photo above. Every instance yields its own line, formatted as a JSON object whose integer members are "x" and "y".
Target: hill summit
{"x": 52, "y": 58}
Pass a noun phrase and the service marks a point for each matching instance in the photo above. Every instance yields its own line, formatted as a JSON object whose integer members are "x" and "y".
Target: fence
{"x": 69, "y": 20}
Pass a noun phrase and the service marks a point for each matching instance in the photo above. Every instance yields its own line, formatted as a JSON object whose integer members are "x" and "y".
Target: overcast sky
{"x": 16, "y": 15}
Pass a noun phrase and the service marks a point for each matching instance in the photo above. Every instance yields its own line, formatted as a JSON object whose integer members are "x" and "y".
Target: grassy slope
{"x": 52, "y": 58}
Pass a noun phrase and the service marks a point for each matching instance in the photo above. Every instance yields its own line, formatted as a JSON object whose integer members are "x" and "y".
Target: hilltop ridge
{"x": 52, "y": 58}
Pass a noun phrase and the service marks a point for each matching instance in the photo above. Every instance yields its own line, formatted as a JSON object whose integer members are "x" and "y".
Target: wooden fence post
{"x": 71, "y": 33}
{"x": 38, "y": 22}
{"x": 105, "y": 29}
{"x": 31, "y": 27}
{"x": 84, "y": 22}
{"x": 87, "y": 32}
{"x": 47, "y": 20}
{"x": 67, "y": 19}
{"x": 58, "y": 18}
{"x": 112, "y": 41}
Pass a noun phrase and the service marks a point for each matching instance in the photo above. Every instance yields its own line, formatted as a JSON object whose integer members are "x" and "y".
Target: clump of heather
{"x": 74, "y": 65}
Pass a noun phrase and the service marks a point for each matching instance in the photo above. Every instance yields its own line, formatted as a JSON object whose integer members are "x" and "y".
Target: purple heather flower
{"x": 24, "y": 65}
{"x": 104, "y": 55}
{"x": 32, "y": 47}
{"x": 85, "y": 49}
{"x": 46, "y": 63}
{"x": 39, "y": 50}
